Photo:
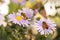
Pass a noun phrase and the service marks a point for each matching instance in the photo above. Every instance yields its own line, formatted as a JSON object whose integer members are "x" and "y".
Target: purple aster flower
{"x": 21, "y": 2}
{"x": 16, "y": 18}
{"x": 28, "y": 12}
{"x": 45, "y": 26}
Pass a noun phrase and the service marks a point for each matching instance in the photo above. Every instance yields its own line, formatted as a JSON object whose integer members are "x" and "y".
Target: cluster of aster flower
{"x": 26, "y": 16}
{"x": 22, "y": 17}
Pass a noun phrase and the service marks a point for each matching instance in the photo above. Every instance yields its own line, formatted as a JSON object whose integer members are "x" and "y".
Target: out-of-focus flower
{"x": 17, "y": 19}
{"x": 50, "y": 8}
{"x": 6, "y": 2}
{"x": 4, "y": 9}
{"x": 29, "y": 4}
{"x": 21, "y": 2}
{"x": 28, "y": 12}
{"x": 2, "y": 20}
{"x": 45, "y": 26}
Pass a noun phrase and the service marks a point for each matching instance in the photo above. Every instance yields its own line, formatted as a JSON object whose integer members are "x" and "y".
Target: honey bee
{"x": 24, "y": 15}
{"x": 45, "y": 26}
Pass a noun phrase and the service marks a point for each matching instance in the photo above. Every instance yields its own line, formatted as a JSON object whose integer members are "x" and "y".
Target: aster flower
{"x": 45, "y": 26}
{"x": 16, "y": 18}
{"x": 2, "y": 20}
{"x": 21, "y": 2}
{"x": 28, "y": 12}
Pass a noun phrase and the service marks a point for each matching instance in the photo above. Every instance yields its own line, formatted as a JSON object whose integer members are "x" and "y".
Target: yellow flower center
{"x": 19, "y": 0}
{"x": 45, "y": 26}
{"x": 18, "y": 18}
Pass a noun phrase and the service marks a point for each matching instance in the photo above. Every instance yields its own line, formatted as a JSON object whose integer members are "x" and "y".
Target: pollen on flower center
{"x": 18, "y": 18}
{"x": 45, "y": 26}
{"x": 19, "y": 0}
